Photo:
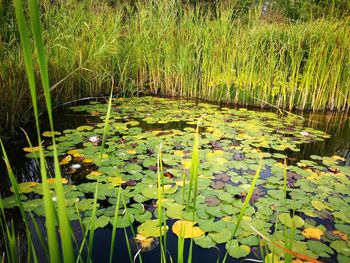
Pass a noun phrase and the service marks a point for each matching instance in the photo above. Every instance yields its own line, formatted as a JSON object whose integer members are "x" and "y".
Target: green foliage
{"x": 231, "y": 51}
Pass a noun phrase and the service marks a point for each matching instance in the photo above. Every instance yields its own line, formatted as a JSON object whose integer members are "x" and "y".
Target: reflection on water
{"x": 335, "y": 124}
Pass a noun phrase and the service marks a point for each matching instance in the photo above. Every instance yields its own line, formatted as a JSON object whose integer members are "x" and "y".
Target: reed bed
{"x": 180, "y": 50}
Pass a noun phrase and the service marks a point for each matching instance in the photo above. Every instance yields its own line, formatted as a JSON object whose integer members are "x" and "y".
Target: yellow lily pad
{"x": 95, "y": 173}
{"x": 186, "y": 229}
{"x": 320, "y": 205}
{"x": 116, "y": 181}
{"x": 179, "y": 153}
{"x": 26, "y": 187}
{"x": 66, "y": 160}
{"x": 73, "y": 151}
{"x": 314, "y": 233}
{"x": 32, "y": 149}
{"x": 146, "y": 243}
{"x": 50, "y": 133}
{"x": 54, "y": 180}
{"x": 187, "y": 163}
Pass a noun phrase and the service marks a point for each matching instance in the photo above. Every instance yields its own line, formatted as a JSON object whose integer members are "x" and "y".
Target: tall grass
{"x": 182, "y": 50}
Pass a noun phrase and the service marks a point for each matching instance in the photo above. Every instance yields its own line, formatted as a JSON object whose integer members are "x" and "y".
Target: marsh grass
{"x": 181, "y": 50}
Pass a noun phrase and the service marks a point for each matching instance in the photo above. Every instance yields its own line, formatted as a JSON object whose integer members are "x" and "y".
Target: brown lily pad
{"x": 212, "y": 201}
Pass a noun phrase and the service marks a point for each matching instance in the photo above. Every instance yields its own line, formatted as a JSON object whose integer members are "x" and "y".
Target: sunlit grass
{"x": 152, "y": 51}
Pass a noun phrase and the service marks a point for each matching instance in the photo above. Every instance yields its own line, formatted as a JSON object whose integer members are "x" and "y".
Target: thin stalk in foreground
{"x": 160, "y": 193}
{"x": 246, "y": 202}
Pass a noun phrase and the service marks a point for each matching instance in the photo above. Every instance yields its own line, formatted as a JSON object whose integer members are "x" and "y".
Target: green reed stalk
{"x": 160, "y": 193}
{"x": 94, "y": 210}
{"x": 114, "y": 228}
{"x": 246, "y": 202}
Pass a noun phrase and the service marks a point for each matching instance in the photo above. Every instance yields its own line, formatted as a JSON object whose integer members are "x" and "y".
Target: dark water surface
{"x": 26, "y": 169}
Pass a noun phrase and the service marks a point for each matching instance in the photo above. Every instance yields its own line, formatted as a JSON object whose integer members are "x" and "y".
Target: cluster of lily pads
{"x": 302, "y": 205}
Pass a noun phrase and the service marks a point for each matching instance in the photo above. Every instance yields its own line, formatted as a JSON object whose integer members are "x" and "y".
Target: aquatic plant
{"x": 184, "y": 51}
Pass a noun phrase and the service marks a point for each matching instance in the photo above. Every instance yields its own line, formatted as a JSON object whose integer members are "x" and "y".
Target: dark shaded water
{"x": 335, "y": 124}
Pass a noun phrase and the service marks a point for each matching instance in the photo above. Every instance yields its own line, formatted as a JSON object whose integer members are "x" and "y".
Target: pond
{"x": 301, "y": 197}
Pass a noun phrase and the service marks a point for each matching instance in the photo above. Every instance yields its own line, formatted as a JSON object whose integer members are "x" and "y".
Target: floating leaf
{"x": 150, "y": 228}
{"x": 342, "y": 247}
{"x": 237, "y": 251}
{"x": 315, "y": 233}
{"x": 116, "y": 180}
{"x": 54, "y": 180}
{"x": 204, "y": 242}
{"x": 66, "y": 160}
{"x": 85, "y": 128}
{"x": 319, "y": 248}
{"x": 340, "y": 234}
{"x": 287, "y": 220}
{"x": 32, "y": 149}
{"x": 50, "y": 133}
{"x": 26, "y": 187}
{"x": 95, "y": 173}
{"x": 145, "y": 244}
{"x": 186, "y": 229}
{"x": 222, "y": 236}
{"x": 320, "y": 205}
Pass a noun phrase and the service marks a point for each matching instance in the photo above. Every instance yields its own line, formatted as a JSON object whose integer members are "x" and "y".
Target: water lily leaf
{"x": 54, "y": 180}
{"x": 342, "y": 215}
{"x": 100, "y": 222}
{"x": 315, "y": 233}
{"x": 212, "y": 201}
{"x": 96, "y": 173}
{"x": 116, "y": 180}
{"x": 26, "y": 187}
{"x": 66, "y": 160}
{"x": 123, "y": 221}
{"x": 143, "y": 217}
{"x": 11, "y": 202}
{"x": 343, "y": 259}
{"x": 319, "y": 248}
{"x": 170, "y": 189}
{"x": 237, "y": 251}
{"x": 85, "y": 204}
{"x": 204, "y": 242}
{"x": 342, "y": 247}
{"x": 85, "y": 128}
{"x": 340, "y": 234}
{"x": 50, "y": 133}
{"x": 174, "y": 210}
{"x": 222, "y": 236}
{"x": 250, "y": 241}
{"x": 186, "y": 229}
{"x": 145, "y": 244}
{"x": 217, "y": 184}
{"x": 32, "y": 149}
{"x": 320, "y": 205}
{"x": 187, "y": 163}
{"x": 286, "y": 219}
{"x": 150, "y": 228}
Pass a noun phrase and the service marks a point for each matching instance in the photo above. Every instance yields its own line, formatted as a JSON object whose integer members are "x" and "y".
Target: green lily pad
{"x": 237, "y": 251}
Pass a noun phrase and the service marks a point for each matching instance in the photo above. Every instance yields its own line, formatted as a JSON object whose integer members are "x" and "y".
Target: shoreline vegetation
{"x": 243, "y": 53}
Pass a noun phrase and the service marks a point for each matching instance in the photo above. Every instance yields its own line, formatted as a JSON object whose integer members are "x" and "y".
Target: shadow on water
{"x": 26, "y": 169}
